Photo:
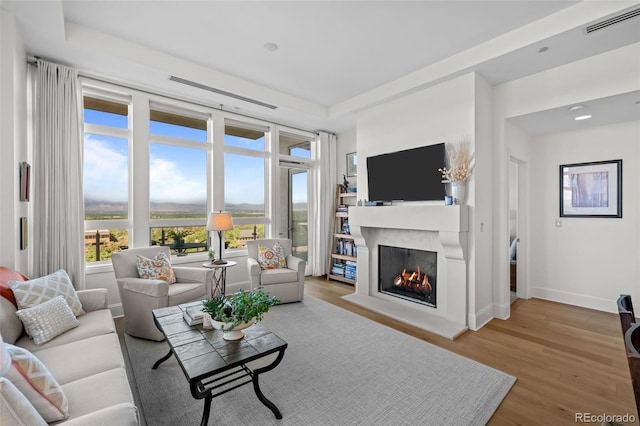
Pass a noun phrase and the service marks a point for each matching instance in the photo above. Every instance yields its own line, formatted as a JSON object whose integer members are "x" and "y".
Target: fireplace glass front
{"x": 408, "y": 274}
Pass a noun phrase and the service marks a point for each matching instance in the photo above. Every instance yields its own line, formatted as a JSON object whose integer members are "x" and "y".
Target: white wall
{"x": 586, "y": 261}
{"x": 13, "y": 141}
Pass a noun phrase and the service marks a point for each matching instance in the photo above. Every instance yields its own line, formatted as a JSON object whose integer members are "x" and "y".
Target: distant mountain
{"x": 108, "y": 207}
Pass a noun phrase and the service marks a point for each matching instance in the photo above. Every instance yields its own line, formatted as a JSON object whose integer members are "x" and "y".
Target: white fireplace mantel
{"x": 450, "y": 225}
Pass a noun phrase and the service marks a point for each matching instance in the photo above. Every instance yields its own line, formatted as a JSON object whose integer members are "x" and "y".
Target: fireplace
{"x": 407, "y": 273}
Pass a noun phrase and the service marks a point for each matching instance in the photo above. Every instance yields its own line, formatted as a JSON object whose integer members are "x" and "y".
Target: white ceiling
{"x": 334, "y": 57}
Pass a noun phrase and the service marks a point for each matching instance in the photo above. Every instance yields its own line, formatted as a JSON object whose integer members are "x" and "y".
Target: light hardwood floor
{"x": 566, "y": 359}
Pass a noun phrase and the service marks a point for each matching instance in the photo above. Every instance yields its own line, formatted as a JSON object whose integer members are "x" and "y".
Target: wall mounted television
{"x": 408, "y": 175}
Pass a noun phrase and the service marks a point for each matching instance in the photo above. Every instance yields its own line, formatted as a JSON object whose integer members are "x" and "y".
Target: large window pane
{"x": 106, "y": 113}
{"x": 244, "y": 185}
{"x": 106, "y": 177}
{"x": 177, "y": 182}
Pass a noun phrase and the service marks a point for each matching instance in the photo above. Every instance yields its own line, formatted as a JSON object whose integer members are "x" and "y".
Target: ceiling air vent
{"x": 220, "y": 92}
{"x": 612, "y": 21}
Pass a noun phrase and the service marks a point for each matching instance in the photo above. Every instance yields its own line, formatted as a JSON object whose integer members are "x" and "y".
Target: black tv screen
{"x": 409, "y": 175}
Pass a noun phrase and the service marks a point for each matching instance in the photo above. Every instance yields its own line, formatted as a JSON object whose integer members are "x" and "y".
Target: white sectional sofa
{"x": 86, "y": 361}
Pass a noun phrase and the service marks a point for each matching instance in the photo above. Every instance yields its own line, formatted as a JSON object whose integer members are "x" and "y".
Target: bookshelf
{"x": 343, "y": 260}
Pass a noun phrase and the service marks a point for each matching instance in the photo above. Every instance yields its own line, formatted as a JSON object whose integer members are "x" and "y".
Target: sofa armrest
{"x": 93, "y": 299}
{"x": 186, "y": 274}
{"x": 124, "y": 414}
{"x": 153, "y": 288}
{"x": 253, "y": 267}
{"x": 296, "y": 264}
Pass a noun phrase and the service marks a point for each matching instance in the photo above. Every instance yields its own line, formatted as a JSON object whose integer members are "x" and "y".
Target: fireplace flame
{"x": 413, "y": 280}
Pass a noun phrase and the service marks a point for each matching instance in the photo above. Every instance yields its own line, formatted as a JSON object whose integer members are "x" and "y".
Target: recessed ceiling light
{"x": 582, "y": 117}
{"x": 271, "y": 47}
{"x": 543, "y": 49}
{"x": 576, "y": 108}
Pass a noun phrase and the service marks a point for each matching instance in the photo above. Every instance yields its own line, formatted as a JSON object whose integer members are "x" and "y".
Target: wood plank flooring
{"x": 567, "y": 359}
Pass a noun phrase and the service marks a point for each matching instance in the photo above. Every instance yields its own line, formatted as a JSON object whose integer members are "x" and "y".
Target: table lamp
{"x": 219, "y": 222}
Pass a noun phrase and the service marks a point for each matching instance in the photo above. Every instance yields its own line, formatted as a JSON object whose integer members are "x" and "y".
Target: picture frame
{"x": 352, "y": 164}
{"x": 25, "y": 178}
{"x": 591, "y": 189}
{"x": 24, "y": 235}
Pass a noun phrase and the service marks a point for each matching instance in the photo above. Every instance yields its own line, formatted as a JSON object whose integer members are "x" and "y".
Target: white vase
{"x": 458, "y": 192}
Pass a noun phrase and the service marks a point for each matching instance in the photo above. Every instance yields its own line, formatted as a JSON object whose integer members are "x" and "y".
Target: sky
{"x": 177, "y": 174}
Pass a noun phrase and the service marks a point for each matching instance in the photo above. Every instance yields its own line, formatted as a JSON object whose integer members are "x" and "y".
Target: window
{"x": 106, "y": 177}
{"x": 178, "y": 181}
{"x": 244, "y": 182}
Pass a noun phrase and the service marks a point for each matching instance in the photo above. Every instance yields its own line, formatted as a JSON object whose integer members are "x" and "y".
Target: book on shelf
{"x": 193, "y": 315}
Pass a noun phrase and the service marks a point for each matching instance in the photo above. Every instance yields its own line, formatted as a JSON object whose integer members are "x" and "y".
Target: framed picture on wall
{"x": 24, "y": 236}
{"x": 25, "y": 178}
{"x": 352, "y": 164}
{"x": 591, "y": 189}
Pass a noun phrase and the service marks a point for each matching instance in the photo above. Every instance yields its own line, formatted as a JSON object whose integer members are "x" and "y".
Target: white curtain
{"x": 323, "y": 194}
{"x": 58, "y": 228}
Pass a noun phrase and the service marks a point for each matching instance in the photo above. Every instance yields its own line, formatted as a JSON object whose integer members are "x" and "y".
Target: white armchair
{"x": 140, "y": 296}
{"x": 287, "y": 284}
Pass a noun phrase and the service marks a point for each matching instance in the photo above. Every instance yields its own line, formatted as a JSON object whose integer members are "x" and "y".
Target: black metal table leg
{"x": 207, "y": 409}
{"x": 161, "y": 360}
{"x": 256, "y": 384}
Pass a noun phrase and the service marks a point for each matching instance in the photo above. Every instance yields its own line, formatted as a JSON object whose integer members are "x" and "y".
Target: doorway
{"x": 513, "y": 227}
{"x": 294, "y": 205}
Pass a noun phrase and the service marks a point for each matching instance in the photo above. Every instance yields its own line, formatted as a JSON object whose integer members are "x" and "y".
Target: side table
{"x": 219, "y": 281}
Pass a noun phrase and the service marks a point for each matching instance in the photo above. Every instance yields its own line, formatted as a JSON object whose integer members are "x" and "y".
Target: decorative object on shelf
{"x": 220, "y": 222}
{"x": 352, "y": 164}
{"x": 460, "y": 160}
{"x": 448, "y": 200}
{"x": 345, "y": 184}
{"x": 591, "y": 189}
{"x": 237, "y": 312}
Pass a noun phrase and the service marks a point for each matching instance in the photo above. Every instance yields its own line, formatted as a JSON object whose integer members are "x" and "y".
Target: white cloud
{"x": 105, "y": 171}
{"x": 170, "y": 184}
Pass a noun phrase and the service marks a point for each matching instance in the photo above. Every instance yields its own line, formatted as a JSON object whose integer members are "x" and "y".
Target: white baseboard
{"x": 591, "y": 302}
{"x": 481, "y": 318}
{"x": 502, "y": 311}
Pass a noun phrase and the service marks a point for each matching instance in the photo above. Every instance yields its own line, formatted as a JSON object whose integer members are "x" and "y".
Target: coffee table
{"x": 214, "y": 366}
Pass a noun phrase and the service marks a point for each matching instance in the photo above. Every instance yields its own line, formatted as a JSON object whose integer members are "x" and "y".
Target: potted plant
{"x": 240, "y": 310}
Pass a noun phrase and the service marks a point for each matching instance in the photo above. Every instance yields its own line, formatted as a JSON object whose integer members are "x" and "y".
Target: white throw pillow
{"x": 39, "y": 290}
{"x": 47, "y": 320}
{"x": 16, "y": 408}
{"x": 36, "y": 383}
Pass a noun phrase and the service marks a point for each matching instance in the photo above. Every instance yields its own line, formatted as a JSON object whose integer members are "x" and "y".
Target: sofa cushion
{"x": 111, "y": 386}
{"x": 92, "y": 324}
{"x": 47, "y": 320}
{"x": 187, "y": 292}
{"x": 156, "y": 268}
{"x": 39, "y": 290}
{"x": 10, "y": 325}
{"x": 37, "y": 384}
{"x": 16, "y": 408}
{"x": 271, "y": 258}
{"x": 278, "y": 276}
{"x": 90, "y": 356}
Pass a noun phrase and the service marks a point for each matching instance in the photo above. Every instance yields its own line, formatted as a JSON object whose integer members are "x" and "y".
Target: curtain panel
{"x": 58, "y": 209}
{"x": 323, "y": 207}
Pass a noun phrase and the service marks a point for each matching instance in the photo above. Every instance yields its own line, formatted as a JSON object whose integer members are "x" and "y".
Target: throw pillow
{"x": 156, "y": 268}
{"x": 6, "y": 275}
{"x": 36, "y": 383}
{"x": 33, "y": 292}
{"x": 47, "y": 320}
{"x": 271, "y": 258}
{"x": 16, "y": 408}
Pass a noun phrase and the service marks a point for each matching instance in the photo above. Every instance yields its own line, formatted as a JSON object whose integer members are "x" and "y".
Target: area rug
{"x": 339, "y": 369}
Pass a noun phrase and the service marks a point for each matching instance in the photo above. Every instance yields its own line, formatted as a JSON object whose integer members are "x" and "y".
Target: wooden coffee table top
{"x": 203, "y": 353}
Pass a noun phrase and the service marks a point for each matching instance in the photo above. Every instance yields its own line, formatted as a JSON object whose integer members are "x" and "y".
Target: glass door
{"x": 295, "y": 209}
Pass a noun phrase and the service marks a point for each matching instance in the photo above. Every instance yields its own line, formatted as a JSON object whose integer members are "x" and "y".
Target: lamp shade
{"x": 5, "y": 358}
{"x": 219, "y": 222}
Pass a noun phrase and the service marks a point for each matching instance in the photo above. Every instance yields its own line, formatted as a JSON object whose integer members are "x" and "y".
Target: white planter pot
{"x": 458, "y": 192}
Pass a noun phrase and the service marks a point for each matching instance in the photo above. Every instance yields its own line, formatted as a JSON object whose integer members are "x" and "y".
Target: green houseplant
{"x": 240, "y": 310}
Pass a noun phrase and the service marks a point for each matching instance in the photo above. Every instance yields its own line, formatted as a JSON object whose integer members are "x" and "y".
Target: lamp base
{"x": 219, "y": 262}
